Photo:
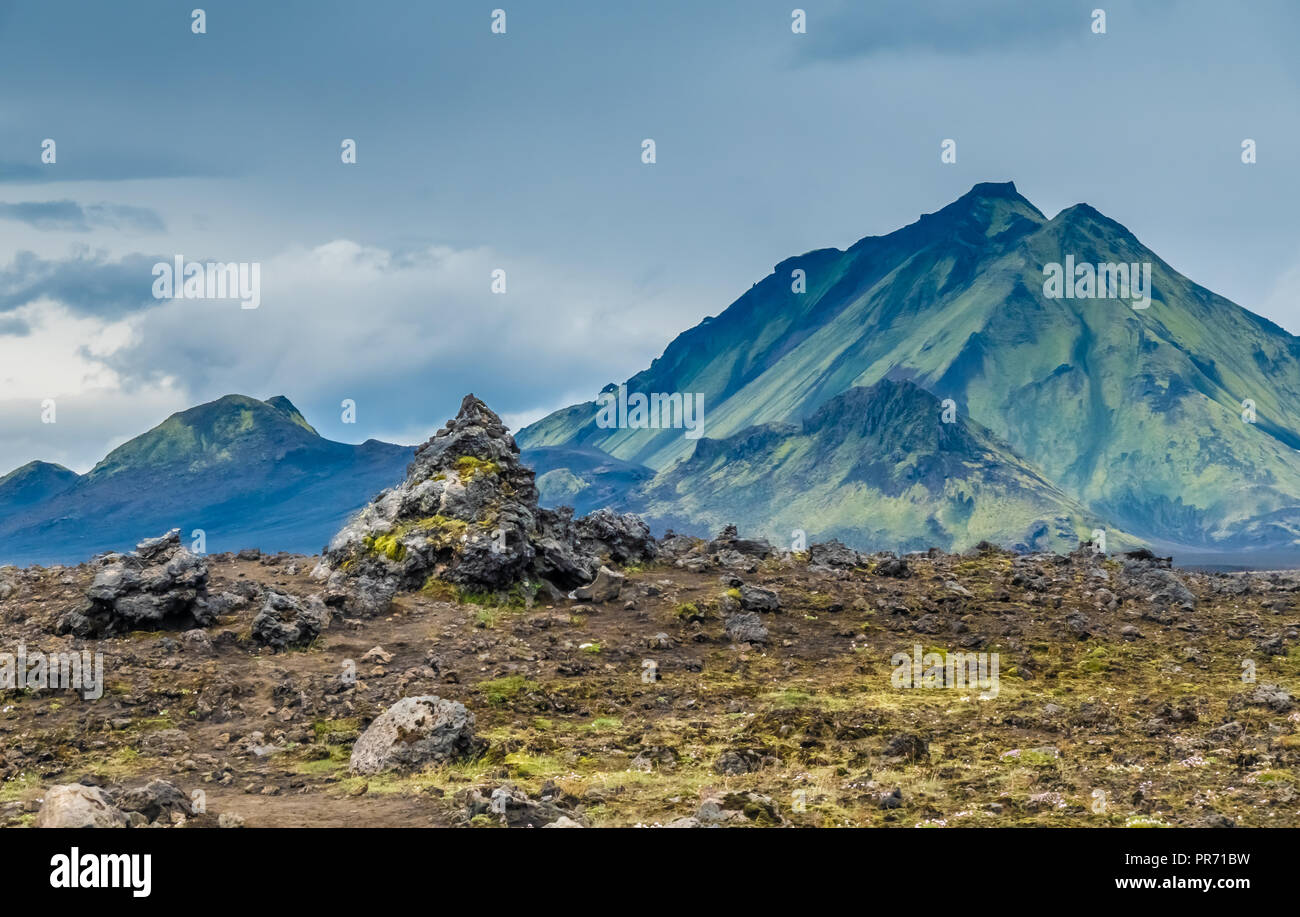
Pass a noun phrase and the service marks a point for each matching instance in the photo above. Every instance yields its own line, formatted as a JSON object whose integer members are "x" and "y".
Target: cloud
{"x": 69, "y": 216}
{"x": 405, "y": 334}
{"x": 87, "y": 283}
{"x": 62, "y": 358}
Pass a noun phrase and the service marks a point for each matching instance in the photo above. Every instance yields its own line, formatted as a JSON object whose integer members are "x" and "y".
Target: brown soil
{"x": 1084, "y": 730}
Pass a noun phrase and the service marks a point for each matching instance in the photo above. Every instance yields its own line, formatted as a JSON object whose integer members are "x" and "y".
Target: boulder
{"x": 158, "y": 583}
{"x": 414, "y": 732}
{"x": 604, "y": 588}
{"x": 756, "y": 598}
{"x": 832, "y": 554}
{"x": 623, "y": 539}
{"x": 76, "y": 806}
{"x": 730, "y": 545}
{"x": 286, "y": 621}
{"x": 746, "y": 628}
{"x": 894, "y": 567}
{"x": 155, "y": 799}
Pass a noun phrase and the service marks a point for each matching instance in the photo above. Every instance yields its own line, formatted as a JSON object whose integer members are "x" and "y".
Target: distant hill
{"x": 248, "y": 473}
{"x": 34, "y": 483}
{"x": 585, "y": 479}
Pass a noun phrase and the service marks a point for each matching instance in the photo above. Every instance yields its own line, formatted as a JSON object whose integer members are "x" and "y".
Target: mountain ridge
{"x": 246, "y": 473}
{"x": 1135, "y": 413}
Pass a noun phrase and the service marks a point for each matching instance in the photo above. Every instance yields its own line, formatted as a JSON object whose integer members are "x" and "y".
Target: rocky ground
{"x": 461, "y": 657}
{"x": 1121, "y": 698}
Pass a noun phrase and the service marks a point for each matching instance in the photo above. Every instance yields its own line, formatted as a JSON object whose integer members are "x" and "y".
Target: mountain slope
{"x": 248, "y": 473}
{"x": 869, "y": 464}
{"x": 33, "y": 483}
{"x": 1136, "y": 414}
{"x": 585, "y": 479}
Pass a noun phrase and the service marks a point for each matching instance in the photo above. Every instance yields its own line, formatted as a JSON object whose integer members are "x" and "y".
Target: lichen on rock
{"x": 467, "y": 514}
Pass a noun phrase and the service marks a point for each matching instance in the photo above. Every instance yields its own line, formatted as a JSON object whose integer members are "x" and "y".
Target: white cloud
{"x": 404, "y": 334}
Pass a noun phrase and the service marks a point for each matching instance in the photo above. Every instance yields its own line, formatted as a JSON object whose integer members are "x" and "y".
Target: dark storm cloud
{"x": 87, "y": 282}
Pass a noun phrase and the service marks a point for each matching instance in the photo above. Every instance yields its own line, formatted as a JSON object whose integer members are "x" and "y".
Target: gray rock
{"x": 604, "y": 588}
{"x": 468, "y": 514}
{"x": 736, "y": 761}
{"x": 1078, "y": 624}
{"x": 624, "y": 539}
{"x": 197, "y": 640}
{"x": 514, "y": 808}
{"x": 738, "y": 550}
{"x": 563, "y": 821}
{"x": 1274, "y": 697}
{"x": 286, "y": 621}
{"x": 157, "y": 583}
{"x": 735, "y": 808}
{"x": 414, "y": 732}
{"x": 76, "y": 806}
{"x": 756, "y": 598}
{"x": 746, "y": 628}
{"x": 1151, "y": 579}
{"x": 833, "y": 554}
{"x": 894, "y": 567}
{"x": 154, "y": 799}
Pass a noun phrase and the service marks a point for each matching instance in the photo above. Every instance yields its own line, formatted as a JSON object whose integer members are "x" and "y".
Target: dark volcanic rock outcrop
{"x": 467, "y": 514}
{"x": 159, "y": 583}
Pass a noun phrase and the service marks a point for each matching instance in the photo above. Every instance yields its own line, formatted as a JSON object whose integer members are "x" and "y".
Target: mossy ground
{"x": 1102, "y": 731}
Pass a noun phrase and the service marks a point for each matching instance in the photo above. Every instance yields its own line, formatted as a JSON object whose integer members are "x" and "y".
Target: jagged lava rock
{"x": 158, "y": 582}
{"x": 467, "y": 514}
{"x": 287, "y": 621}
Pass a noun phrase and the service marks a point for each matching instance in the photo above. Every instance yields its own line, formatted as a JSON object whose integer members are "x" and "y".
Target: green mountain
{"x": 34, "y": 483}
{"x": 874, "y": 466}
{"x": 248, "y": 473}
{"x": 1136, "y": 414}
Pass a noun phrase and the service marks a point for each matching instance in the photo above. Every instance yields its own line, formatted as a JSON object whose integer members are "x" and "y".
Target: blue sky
{"x": 522, "y": 152}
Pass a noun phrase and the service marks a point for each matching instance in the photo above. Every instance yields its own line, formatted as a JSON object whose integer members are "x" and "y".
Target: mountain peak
{"x": 221, "y": 432}
{"x": 989, "y": 210}
{"x": 281, "y": 403}
{"x": 987, "y": 199}
{"x": 990, "y": 189}
{"x": 36, "y": 468}
{"x": 34, "y": 482}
